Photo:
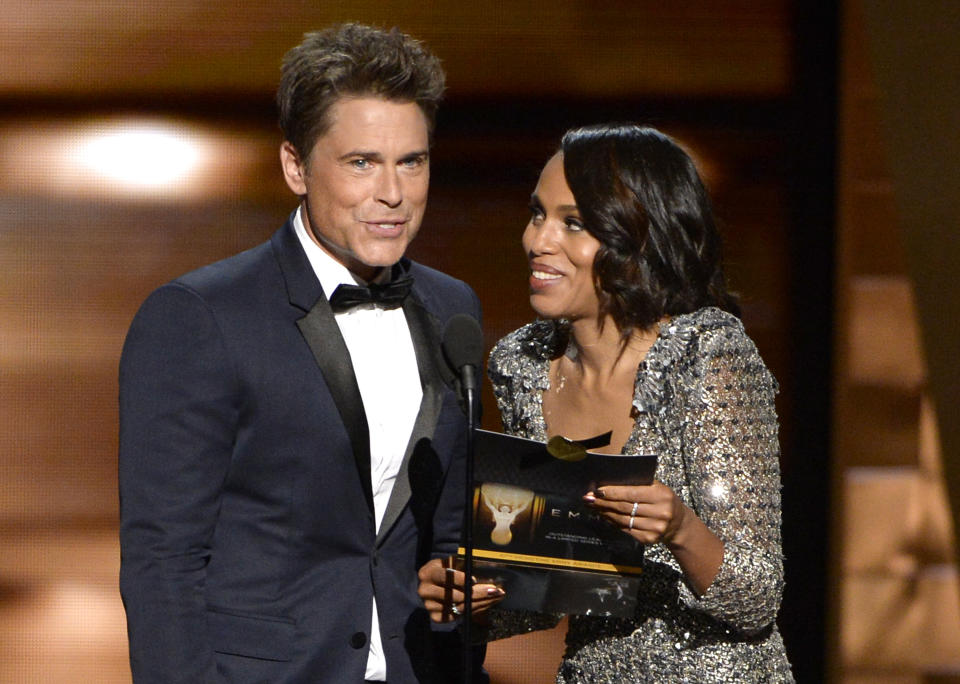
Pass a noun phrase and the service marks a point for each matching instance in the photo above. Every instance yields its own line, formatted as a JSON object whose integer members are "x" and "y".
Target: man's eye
{"x": 360, "y": 163}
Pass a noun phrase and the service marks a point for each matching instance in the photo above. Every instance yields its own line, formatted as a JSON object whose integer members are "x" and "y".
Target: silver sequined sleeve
{"x": 731, "y": 456}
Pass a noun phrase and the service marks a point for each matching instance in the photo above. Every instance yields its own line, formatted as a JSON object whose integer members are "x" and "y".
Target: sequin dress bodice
{"x": 704, "y": 404}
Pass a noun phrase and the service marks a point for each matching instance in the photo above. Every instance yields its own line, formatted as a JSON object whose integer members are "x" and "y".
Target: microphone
{"x": 463, "y": 348}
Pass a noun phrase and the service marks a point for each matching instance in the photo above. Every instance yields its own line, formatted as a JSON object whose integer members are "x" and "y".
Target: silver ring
{"x": 631, "y": 523}
{"x": 634, "y": 511}
{"x": 454, "y": 610}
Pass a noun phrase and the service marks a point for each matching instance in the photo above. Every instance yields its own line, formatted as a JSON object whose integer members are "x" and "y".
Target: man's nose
{"x": 389, "y": 189}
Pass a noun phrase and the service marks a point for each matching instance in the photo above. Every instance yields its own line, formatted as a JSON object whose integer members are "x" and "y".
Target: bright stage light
{"x": 127, "y": 158}
{"x": 142, "y": 157}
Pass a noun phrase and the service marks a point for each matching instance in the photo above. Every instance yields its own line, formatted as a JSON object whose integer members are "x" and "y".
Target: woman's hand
{"x": 649, "y": 514}
{"x": 442, "y": 592}
{"x": 654, "y": 513}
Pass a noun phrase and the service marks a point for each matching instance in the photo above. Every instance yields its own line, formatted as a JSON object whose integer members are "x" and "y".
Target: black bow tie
{"x": 388, "y": 295}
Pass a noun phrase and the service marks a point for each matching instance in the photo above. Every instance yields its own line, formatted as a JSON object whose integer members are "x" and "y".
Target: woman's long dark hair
{"x": 640, "y": 195}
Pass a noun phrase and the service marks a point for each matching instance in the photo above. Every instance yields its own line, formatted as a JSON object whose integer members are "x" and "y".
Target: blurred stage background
{"x": 138, "y": 141}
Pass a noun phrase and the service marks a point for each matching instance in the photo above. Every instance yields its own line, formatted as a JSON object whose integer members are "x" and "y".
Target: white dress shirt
{"x": 385, "y": 365}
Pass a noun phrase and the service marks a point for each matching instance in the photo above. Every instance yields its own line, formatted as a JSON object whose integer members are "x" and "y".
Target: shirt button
{"x": 358, "y": 640}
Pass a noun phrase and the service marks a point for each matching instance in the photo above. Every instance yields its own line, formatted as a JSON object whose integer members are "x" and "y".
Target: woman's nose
{"x": 540, "y": 239}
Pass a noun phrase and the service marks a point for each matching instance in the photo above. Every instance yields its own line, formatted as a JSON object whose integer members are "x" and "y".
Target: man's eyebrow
{"x": 377, "y": 156}
{"x": 365, "y": 154}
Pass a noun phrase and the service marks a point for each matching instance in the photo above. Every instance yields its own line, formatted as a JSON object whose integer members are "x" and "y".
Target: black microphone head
{"x": 463, "y": 341}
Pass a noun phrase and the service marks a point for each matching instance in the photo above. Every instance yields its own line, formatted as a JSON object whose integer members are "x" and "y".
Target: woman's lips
{"x": 543, "y": 276}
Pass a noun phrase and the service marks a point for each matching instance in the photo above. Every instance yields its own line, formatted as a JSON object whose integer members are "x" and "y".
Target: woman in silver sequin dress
{"x": 638, "y": 334}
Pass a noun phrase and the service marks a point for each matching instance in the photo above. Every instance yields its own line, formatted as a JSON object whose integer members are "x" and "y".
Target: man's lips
{"x": 389, "y": 222}
{"x": 387, "y": 226}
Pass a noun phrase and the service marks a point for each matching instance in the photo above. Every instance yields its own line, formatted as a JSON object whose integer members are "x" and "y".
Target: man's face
{"x": 364, "y": 185}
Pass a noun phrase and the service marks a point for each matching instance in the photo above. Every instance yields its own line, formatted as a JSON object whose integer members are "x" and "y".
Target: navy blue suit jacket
{"x": 249, "y": 550}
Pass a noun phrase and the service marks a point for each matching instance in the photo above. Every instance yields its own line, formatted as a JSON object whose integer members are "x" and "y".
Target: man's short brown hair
{"x": 353, "y": 60}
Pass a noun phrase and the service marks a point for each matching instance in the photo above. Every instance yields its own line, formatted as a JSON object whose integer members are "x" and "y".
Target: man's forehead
{"x": 377, "y": 119}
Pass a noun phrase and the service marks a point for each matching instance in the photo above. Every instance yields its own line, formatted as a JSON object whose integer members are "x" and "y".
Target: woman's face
{"x": 559, "y": 250}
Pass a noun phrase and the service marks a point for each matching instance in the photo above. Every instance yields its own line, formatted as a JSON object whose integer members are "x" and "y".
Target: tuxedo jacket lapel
{"x": 426, "y": 342}
{"x": 320, "y": 330}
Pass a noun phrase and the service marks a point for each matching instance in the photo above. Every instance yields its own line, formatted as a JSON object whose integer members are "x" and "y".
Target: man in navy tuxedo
{"x": 291, "y": 446}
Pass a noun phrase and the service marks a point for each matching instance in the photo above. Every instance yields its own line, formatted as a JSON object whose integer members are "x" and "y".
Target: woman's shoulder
{"x": 707, "y": 319}
{"x": 526, "y": 347}
{"x": 706, "y": 335}
{"x": 717, "y": 339}
{"x": 708, "y": 328}
{"x": 536, "y": 340}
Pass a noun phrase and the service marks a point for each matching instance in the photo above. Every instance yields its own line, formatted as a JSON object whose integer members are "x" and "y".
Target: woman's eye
{"x": 574, "y": 224}
{"x": 536, "y": 214}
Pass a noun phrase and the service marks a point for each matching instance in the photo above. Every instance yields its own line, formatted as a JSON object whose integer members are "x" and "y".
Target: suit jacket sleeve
{"x": 178, "y": 417}
{"x": 448, "y": 518}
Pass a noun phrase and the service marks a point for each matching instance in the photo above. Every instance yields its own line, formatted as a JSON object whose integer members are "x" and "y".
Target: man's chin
{"x": 382, "y": 258}
{"x": 370, "y": 268}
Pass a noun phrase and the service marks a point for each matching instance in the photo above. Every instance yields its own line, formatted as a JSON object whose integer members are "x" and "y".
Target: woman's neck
{"x": 601, "y": 351}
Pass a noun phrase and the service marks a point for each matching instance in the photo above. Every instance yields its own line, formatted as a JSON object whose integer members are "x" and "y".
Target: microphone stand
{"x": 463, "y": 348}
{"x": 469, "y": 383}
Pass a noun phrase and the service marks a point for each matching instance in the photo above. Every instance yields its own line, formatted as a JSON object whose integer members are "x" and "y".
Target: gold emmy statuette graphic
{"x": 505, "y": 503}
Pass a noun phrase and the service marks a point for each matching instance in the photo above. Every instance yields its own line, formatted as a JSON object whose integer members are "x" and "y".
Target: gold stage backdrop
{"x": 138, "y": 141}
{"x": 896, "y": 596}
